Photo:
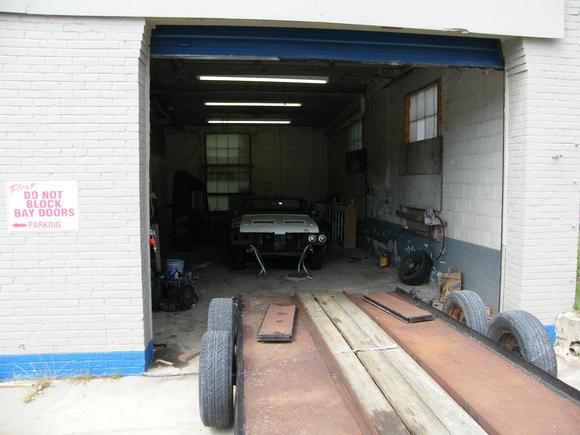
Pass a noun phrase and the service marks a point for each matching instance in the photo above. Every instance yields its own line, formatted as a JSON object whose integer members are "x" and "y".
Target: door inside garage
{"x": 393, "y": 142}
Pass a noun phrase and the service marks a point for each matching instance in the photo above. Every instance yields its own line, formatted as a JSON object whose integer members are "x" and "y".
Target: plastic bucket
{"x": 174, "y": 267}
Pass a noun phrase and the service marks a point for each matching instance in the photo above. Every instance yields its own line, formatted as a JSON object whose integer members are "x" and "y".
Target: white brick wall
{"x": 543, "y": 171}
{"x": 70, "y": 96}
{"x": 472, "y": 130}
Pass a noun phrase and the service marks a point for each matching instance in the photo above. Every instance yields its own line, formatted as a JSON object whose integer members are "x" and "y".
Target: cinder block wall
{"x": 543, "y": 85}
{"x": 468, "y": 193}
{"x": 73, "y": 103}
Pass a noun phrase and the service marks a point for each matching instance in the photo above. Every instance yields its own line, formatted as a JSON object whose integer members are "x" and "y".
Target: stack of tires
{"x": 217, "y": 364}
{"x": 515, "y": 330}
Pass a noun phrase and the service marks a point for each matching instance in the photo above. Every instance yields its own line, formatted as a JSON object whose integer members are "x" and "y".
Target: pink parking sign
{"x": 42, "y": 206}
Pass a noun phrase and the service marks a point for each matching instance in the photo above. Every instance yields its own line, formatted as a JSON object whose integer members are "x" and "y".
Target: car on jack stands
{"x": 275, "y": 227}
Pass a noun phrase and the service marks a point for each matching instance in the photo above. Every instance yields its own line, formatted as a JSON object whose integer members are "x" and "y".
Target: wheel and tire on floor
{"x": 315, "y": 258}
{"x": 467, "y": 307}
{"x": 237, "y": 258}
{"x": 522, "y": 333}
{"x": 221, "y": 316}
{"x": 216, "y": 396}
{"x": 415, "y": 268}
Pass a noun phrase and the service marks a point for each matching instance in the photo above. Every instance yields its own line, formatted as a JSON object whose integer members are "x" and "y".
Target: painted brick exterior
{"x": 543, "y": 86}
{"x": 74, "y": 106}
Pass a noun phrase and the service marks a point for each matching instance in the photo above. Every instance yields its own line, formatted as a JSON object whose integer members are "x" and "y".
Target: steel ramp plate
{"x": 397, "y": 307}
{"x": 278, "y": 323}
{"x": 288, "y": 388}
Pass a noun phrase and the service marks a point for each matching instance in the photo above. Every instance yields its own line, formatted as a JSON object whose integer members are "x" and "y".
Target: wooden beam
{"x": 421, "y": 403}
{"x": 379, "y": 413}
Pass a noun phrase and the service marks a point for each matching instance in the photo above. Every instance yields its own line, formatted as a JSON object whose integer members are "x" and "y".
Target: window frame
{"x": 247, "y": 166}
{"x": 407, "y": 109}
{"x": 351, "y": 127}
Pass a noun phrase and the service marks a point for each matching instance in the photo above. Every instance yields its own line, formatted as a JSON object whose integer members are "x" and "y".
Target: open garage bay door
{"x": 346, "y": 45}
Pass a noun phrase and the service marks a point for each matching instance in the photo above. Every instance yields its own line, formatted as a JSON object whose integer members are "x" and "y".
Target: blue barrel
{"x": 174, "y": 268}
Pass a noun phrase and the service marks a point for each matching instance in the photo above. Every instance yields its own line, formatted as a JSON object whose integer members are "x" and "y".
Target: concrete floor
{"x": 351, "y": 270}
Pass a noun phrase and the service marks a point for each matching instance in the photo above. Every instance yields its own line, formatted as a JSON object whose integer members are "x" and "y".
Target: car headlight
{"x": 312, "y": 238}
{"x": 322, "y": 238}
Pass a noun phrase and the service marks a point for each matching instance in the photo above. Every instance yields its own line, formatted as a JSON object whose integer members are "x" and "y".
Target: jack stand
{"x": 302, "y": 265}
{"x": 263, "y": 270}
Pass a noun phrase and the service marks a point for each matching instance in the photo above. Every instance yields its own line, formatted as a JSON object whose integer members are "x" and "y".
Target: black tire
{"x": 216, "y": 395}
{"x": 315, "y": 258}
{"x": 415, "y": 268}
{"x": 522, "y": 333}
{"x": 467, "y": 307}
{"x": 221, "y": 316}
{"x": 237, "y": 258}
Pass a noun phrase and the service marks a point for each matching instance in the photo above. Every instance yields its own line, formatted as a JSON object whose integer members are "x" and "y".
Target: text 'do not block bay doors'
{"x": 42, "y": 206}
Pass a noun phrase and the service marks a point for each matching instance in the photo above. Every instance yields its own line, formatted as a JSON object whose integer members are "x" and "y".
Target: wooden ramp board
{"x": 288, "y": 388}
{"x": 498, "y": 394}
{"x": 398, "y": 307}
{"x": 278, "y": 323}
{"x": 375, "y": 407}
{"x": 423, "y": 406}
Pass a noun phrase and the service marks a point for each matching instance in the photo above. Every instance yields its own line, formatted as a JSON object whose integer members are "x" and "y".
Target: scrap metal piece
{"x": 397, "y": 307}
{"x": 278, "y": 323}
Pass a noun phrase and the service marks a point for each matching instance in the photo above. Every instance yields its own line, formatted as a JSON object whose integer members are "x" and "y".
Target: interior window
{"x": 422, "y": 113}
{"x": 355, "y": 142}
{"x": 227, "y": 168}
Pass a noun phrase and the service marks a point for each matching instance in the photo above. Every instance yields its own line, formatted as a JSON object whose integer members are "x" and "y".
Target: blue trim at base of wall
{"x": 58, "y": 365}
{"x": 551, "y": 330}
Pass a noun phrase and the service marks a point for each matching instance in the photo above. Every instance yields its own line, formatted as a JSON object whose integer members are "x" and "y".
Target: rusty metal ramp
{"x": 501, "y": 396}
{"x": 288, "y": 388}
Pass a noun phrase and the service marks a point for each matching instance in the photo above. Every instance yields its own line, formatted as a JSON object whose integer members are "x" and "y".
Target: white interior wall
{"x": 469, "y": 197}
{"x": 287, "y": 161}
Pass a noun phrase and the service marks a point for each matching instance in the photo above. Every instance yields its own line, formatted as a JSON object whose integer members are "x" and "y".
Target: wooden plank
{"x": 379, "y": 413}
{"x": 278, "y": 323}
{"x": 188, "y": 356}
{"x": 350, "y": 227}
{"x": 398, "y": 307}
{"x": 421, "y": 403}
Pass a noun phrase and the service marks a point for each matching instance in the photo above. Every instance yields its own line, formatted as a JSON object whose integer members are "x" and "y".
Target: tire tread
{"x": 535, "y": 344}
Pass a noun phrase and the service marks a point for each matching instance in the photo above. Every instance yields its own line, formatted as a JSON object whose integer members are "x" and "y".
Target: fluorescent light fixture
{"x": 251, "y": 104}
{"x": 268, "y": 79}
{"x": 248, "y": 121}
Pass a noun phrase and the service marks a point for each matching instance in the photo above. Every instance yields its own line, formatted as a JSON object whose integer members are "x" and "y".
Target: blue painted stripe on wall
{"x": 58, "y": 365}
{"x": 348, "y": 45}
{"x": 551, "y": 330}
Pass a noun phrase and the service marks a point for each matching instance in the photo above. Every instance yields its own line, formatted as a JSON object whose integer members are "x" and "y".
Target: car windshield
{"x": 273, "y": 205}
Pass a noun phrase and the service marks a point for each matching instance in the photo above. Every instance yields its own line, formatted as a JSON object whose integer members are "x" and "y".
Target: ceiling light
{"x": 248, "y": 121}
{"x": 269, "y": 79}
{"x": 250, "y": 104}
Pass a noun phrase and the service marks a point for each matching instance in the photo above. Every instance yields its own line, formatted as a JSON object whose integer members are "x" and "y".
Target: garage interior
{"x": 348, "y": 138}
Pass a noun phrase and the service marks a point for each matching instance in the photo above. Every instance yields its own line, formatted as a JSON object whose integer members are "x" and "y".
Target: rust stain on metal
{"x": 278, "y": 323}
{"x": 288, "y": 388}
{"x": 398, "y": 307}
{"x": 500, "y": 396}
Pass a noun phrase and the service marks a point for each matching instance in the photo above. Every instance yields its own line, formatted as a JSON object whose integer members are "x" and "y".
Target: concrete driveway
{"x": 130, "y": 405}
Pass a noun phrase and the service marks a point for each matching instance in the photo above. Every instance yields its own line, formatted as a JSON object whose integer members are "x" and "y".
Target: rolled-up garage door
{"x": 346, "y": 45}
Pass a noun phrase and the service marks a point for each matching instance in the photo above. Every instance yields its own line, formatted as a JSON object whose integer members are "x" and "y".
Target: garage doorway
{"x": 326, "y": 117}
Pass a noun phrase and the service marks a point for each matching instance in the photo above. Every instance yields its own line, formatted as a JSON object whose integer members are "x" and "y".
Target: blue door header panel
{"x": 346, "y": 45}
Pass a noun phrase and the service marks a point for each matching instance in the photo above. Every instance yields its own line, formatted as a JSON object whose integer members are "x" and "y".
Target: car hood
{"x": 277, "y": 223}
